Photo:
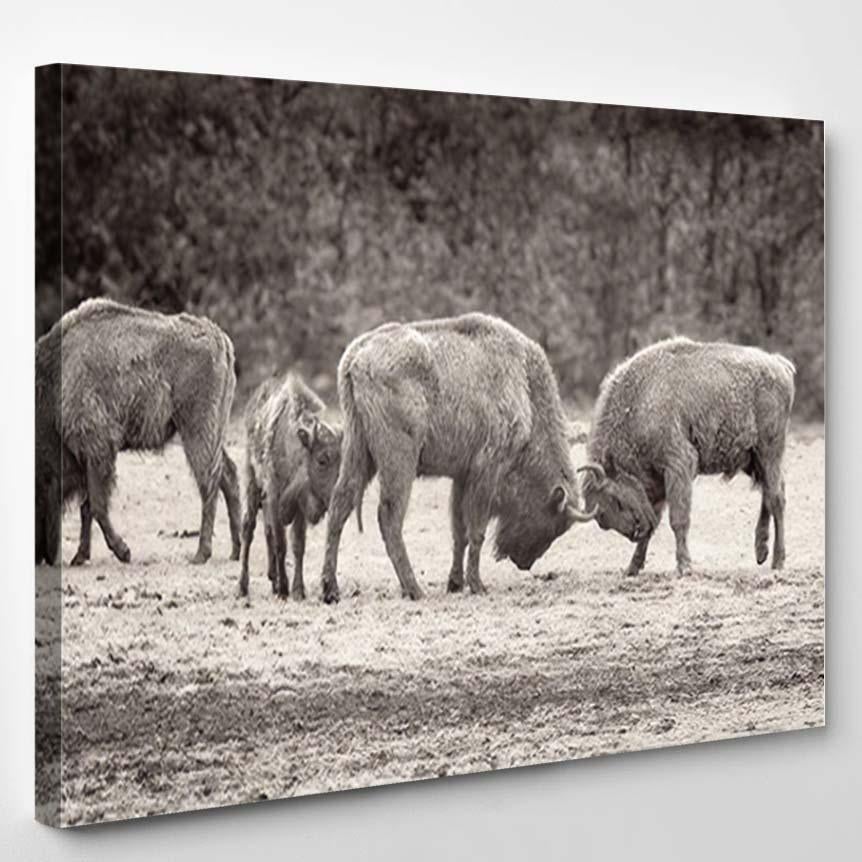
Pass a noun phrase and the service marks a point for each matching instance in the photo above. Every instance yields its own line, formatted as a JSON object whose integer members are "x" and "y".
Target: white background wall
{"x": 792, "y": 796}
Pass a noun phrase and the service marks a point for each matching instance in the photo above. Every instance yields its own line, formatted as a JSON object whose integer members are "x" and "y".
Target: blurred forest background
{"x": 299, "y": 215}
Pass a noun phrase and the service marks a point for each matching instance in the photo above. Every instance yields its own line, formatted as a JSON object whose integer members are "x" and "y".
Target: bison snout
{"x": 315, "y": 509}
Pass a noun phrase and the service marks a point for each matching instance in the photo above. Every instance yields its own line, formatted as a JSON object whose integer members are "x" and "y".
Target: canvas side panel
{"x": 48, "y": 223}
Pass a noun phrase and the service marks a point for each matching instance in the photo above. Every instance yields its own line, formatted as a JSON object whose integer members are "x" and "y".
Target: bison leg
{"x": 297, "y": 541}
{"x": 42, "y": 553}
{"x": 396, "y": 481}
{"x": 473, "y": 554}
{"x": 772, "y": 505}
{"x": 340, "y": 507}
{"x": 277, "y": 547}
{"x": 229, "y": 486}
{"x": 280, "y": 548}
{"x": 207, "y": 469}
{"x": 205, "y": 543}
{"x": 776, "y": 504}
{"x": 83, "y": 552}
{"x": 98, "y": 492}
{"x": 476, "y": 508}
{"x": 638, "y": 558}
{"x": 249, "y": 522}
{"x": 459, "y": 538}
{"x": 271, "y": 566}
{"x": 678, "y": 485}
{"x": 48, "y": 524}
{"x": 347, "y": 490}
{"x": 761, "y": 533}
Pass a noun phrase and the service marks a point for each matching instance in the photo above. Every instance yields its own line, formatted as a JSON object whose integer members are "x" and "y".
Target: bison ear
{"x": 559, "y": 498}
{"x": 307, "y": 434}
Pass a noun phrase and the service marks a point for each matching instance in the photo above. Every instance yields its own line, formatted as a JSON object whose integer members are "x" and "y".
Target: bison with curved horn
{"x": 679, "y": 409}
{"x": 111, "y": 378}
{"x": 470, "y": 398}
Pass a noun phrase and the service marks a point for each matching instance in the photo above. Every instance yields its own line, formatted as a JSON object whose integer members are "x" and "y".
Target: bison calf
{"x": 679, "y": 409}
{"x": 471, "y": 398}
{"x": 111, "y": 378}
{"x": 292, "y": 460}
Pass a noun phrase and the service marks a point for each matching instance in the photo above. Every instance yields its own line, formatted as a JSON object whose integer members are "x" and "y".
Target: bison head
{"x": 526, "y": 531}
{"x": 322, "y": 444}
{"x": 621, "y": 501}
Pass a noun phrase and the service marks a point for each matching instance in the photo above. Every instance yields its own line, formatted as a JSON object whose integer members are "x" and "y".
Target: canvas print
{"x": 385, "y": 435}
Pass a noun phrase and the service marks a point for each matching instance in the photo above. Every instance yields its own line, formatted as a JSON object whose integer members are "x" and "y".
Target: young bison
{"x": 292, "y": 460}
{"x": 471, "y": 398}
{"x": 111, "y": 378}
{"x": 679, "y": 409}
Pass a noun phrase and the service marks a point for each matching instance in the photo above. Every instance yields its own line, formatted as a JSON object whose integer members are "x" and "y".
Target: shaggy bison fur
{"x": 679, "y": 409}
{"x": 292, "y": 460}
{"x": 111, "y": 378}
{"x": 471, "y": 398}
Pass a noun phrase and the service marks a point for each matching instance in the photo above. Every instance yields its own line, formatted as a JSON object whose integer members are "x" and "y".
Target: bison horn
{"x": 560, "y": 499}
{"x": 577, "y": 515}
{"x": 597, "y": 470}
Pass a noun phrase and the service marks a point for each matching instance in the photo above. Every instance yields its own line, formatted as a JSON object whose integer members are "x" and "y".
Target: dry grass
{"x": 177, "y": 695}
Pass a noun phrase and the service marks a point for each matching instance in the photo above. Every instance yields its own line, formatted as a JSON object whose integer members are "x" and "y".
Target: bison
{"x": 111, "y": 378}
{"x": 292, "y": 460}
{"x": 679, "y": 409}
{"x": 470, "y": 398}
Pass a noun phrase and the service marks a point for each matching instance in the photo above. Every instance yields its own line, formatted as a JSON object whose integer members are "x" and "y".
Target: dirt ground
{"x": 178, "y": 695}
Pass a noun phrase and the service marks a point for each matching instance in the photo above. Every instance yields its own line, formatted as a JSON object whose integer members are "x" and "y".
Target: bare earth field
{"x": 178, "y": 695}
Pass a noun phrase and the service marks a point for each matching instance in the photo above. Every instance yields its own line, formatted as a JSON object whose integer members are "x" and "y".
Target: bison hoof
{"x": 455, "y": 586}
{"x": 79, "y": 559}
{"x": 122, "y": 553}
{"x": 777, "y": 561}
{"x": 631, "y": 572}
{"x": 761, "y": 552}
{"x": 200, "y": 558}
{"x": 684, "y": 570}
{"x": 242, "y": 592}
{"x": 298, "y": 594}
{"x": 234, "y": 554}
{"x": 331, "y": 596}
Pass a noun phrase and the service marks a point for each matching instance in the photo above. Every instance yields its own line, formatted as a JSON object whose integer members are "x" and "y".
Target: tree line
{"x": 298, "y": 215}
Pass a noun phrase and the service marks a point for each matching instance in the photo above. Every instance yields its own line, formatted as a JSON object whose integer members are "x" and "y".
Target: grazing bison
{"x": 471, "y": 398}
{"x": 292, "y": 460}
{"x": 111, "y": 378}
{"x": 679, "y": 409}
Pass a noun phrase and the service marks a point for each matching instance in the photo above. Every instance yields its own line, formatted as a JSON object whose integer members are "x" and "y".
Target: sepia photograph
{"x": 385, "y": 435}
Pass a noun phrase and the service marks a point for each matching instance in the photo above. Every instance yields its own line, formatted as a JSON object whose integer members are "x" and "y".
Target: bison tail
{"x": 787, "y": 364}
{"x": 357, "y": 466}
{"x": 787, "y": 372}
{"x": 213, "y": 430}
